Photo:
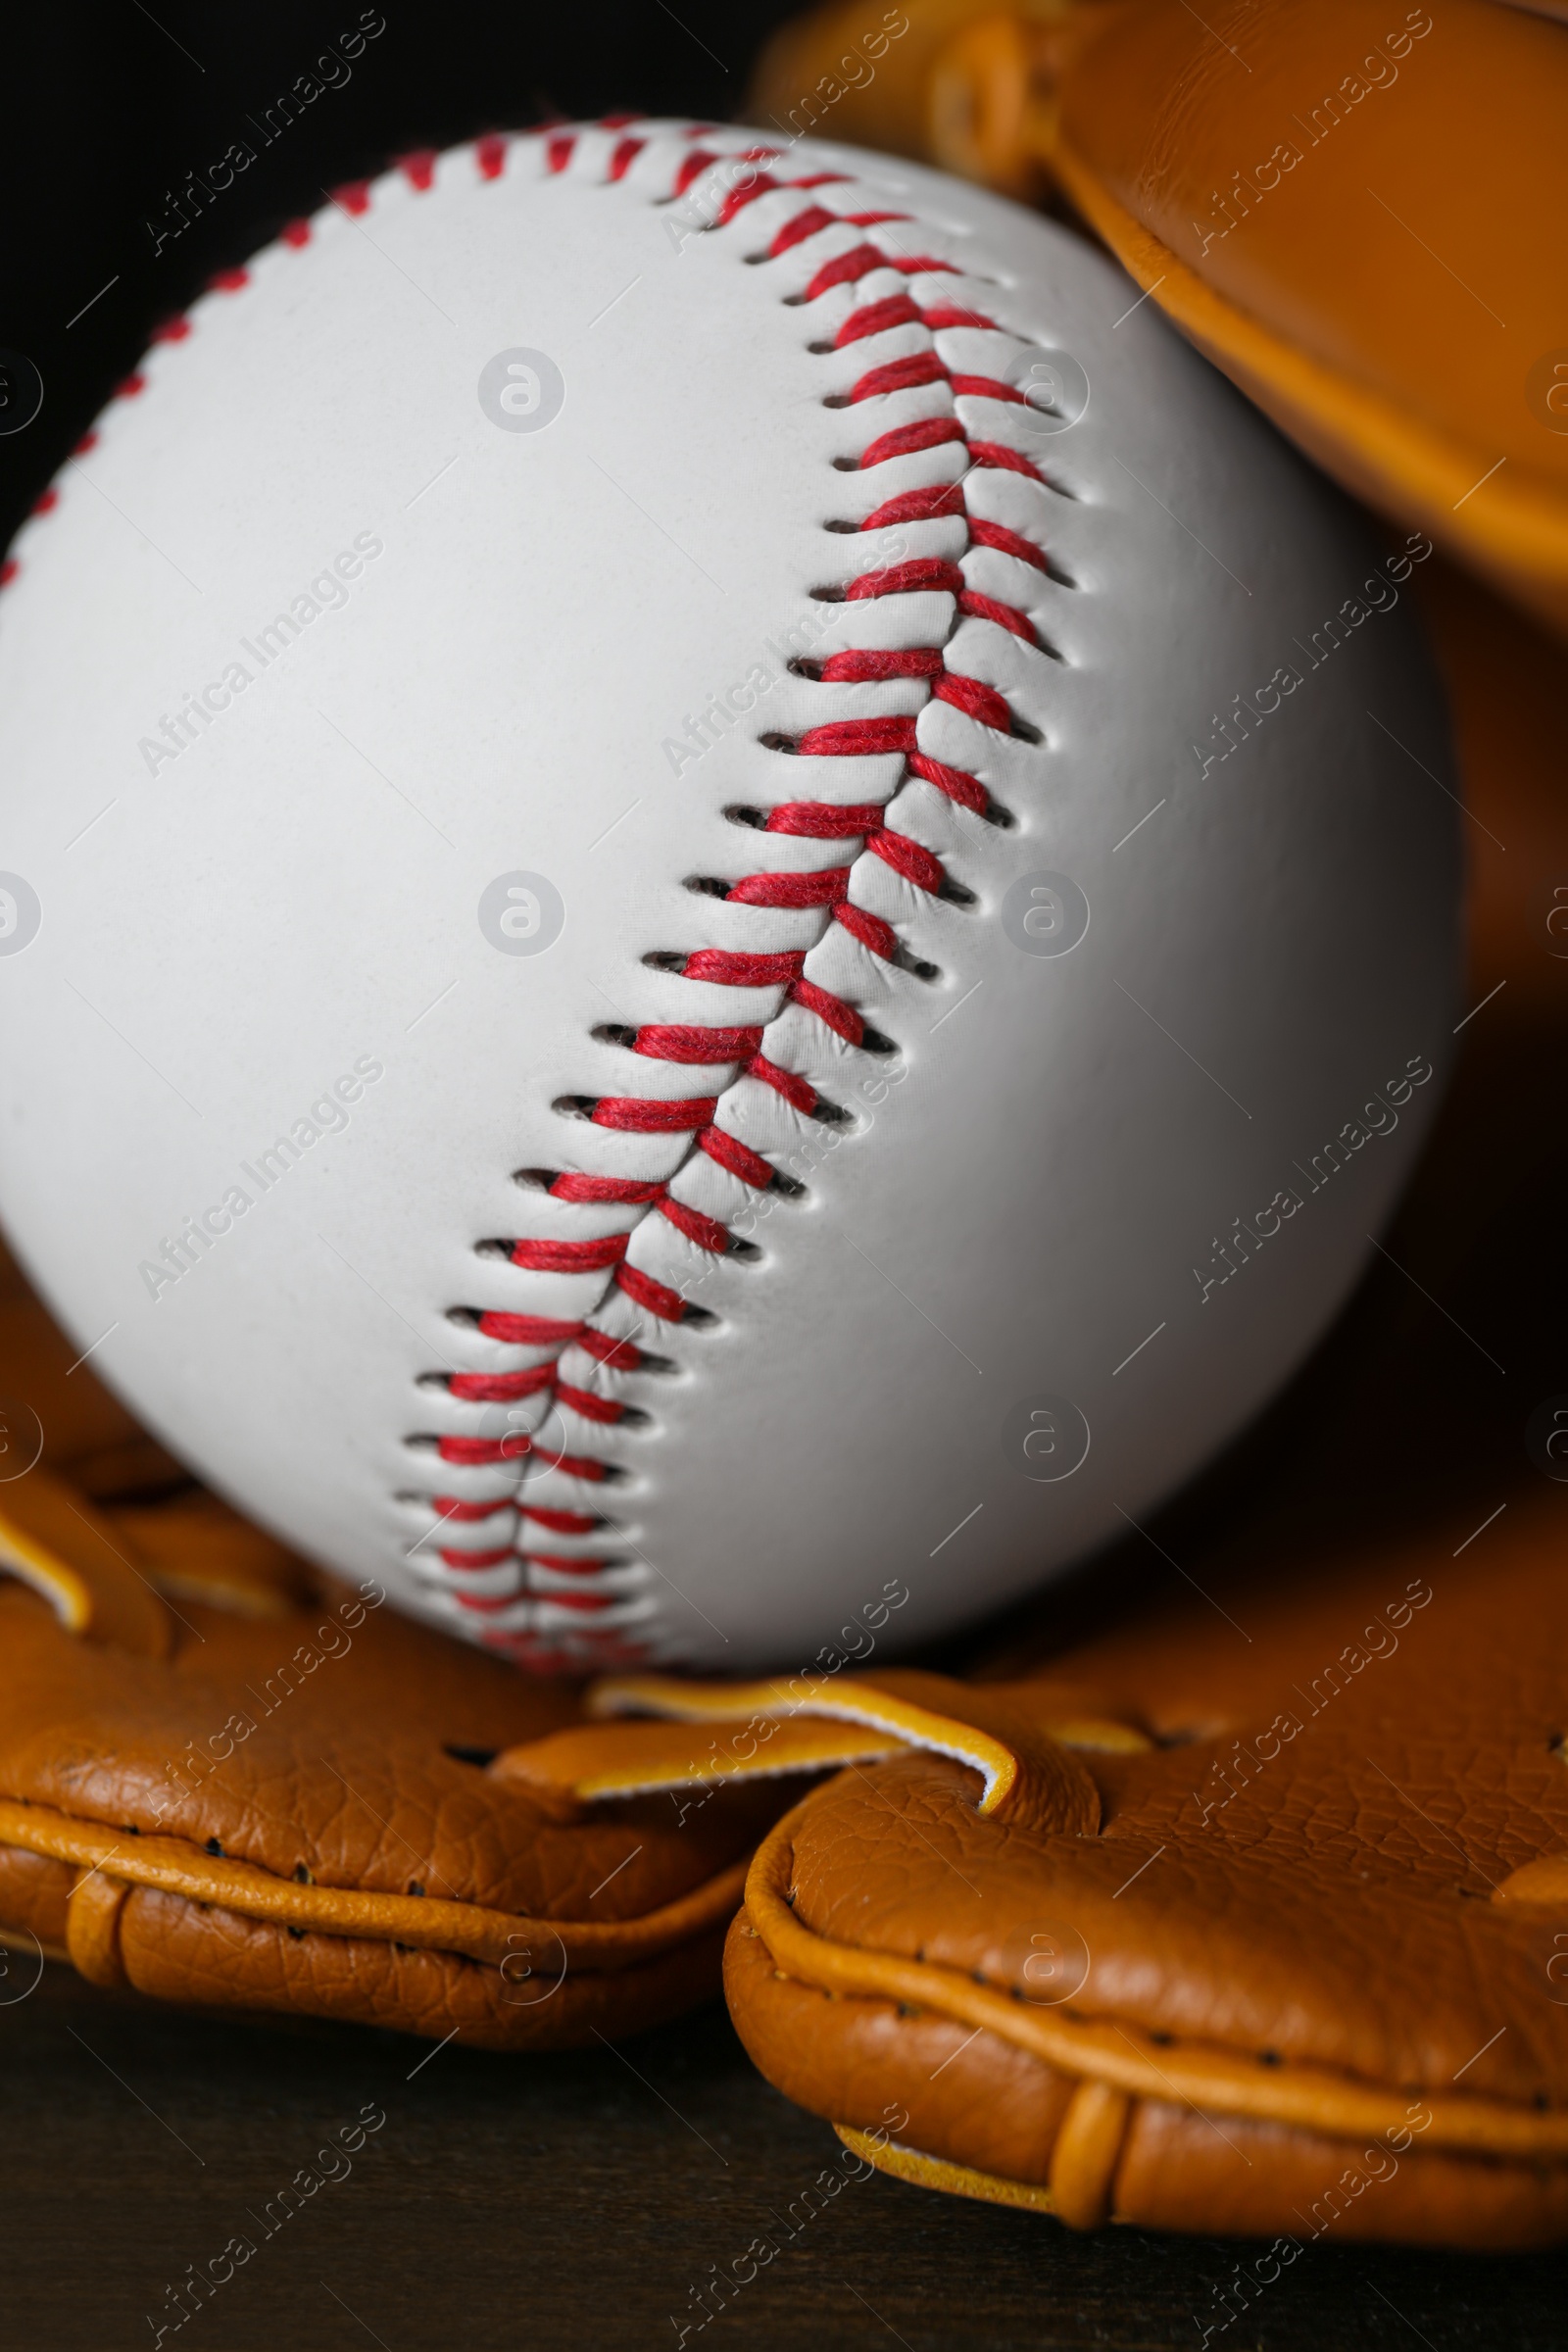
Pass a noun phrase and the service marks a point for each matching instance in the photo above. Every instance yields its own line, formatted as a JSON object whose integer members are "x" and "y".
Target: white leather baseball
{"x": 381, "y": 833}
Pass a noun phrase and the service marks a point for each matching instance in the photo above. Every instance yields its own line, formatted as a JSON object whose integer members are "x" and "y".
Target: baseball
{"x": 725, "y": 909}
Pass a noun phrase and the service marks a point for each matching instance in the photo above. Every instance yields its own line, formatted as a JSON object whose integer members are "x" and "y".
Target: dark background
{"x": 577, "y": 2200}
{"x": 107, "y": 107}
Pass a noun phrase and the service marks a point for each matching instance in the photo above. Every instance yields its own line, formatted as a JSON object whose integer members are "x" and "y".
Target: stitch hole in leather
{"x": 917, "y": 967}
{"x": 631, "y": 1416}
{"x": 698, "y": 1318}
{"x": 613, "y": 1033}
{"x": 480, "y": 1757}
{"x": 771, "y": 742}
{"x": 707, "y": 886}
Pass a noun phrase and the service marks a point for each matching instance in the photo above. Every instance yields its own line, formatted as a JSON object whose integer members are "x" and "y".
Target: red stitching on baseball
{"x": 825, "y": 820}
{"x": 727, "y": 970}
{"x": 668, "y": 1042}
{"x": 500, "y": 1388}
{"x": 796, "y": 1090}
{"x": 862, "y": 737}
{"x": 796, "y": 891}
{"x": 572, "y": 1186}
{"x": 839, "y": 1017}
{"x": 528, "y": 1331}
{"x": 905, "y": 579}
{"x": 739, "y": 1158}
{"x": 585, "y": 1402}
{"x": 560, "y": 1523}
{"x": 737, "y": 1047}
{"x": 657, "y": 1296}
{"x": 633, "y": 1115}
{"x": 569, "y": 1257}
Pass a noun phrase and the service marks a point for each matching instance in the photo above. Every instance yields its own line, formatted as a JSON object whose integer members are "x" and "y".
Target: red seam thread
{"x": 892, "y": 735}
{"x": 570, "y": 1257}
{"x": 571, "y": 1185}
{"x": 632, "y": 1114}
{"x": 666, "y": 1041}
{"x": 528, "y": 1331}
{"x": 828, "y": 889}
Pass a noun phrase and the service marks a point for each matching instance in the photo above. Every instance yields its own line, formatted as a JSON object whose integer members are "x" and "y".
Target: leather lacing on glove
{"x": 225, "y": 1778}
{"x": 1263, "y": 1943}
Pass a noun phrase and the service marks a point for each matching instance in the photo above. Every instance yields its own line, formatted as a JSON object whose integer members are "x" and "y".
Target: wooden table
{"x": 560, "y": 2202}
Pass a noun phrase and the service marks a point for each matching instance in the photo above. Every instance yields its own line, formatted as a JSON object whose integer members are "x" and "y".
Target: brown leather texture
{"x": 1289, "y": 1943}
{"x": 1359, "y": 212}
{"x": 225, "y": 1778}
{"x": 1399, "y": 317}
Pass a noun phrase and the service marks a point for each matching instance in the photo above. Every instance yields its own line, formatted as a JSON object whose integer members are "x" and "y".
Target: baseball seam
{"x": 504, "y": 1582}
{"x": 532, "y": 1603}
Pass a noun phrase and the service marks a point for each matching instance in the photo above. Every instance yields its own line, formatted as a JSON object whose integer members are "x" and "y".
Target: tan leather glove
{"x": 227, "y": 1780}
{"x": 1237, "y": 1927}
{"x": 1358, "y": 211}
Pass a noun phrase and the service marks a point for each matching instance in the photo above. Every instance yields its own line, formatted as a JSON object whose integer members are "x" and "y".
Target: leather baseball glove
{"x": 1281, "y": 177}
{"x": 227, "y": 1780}
{"x": 1253, "y": 1918}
